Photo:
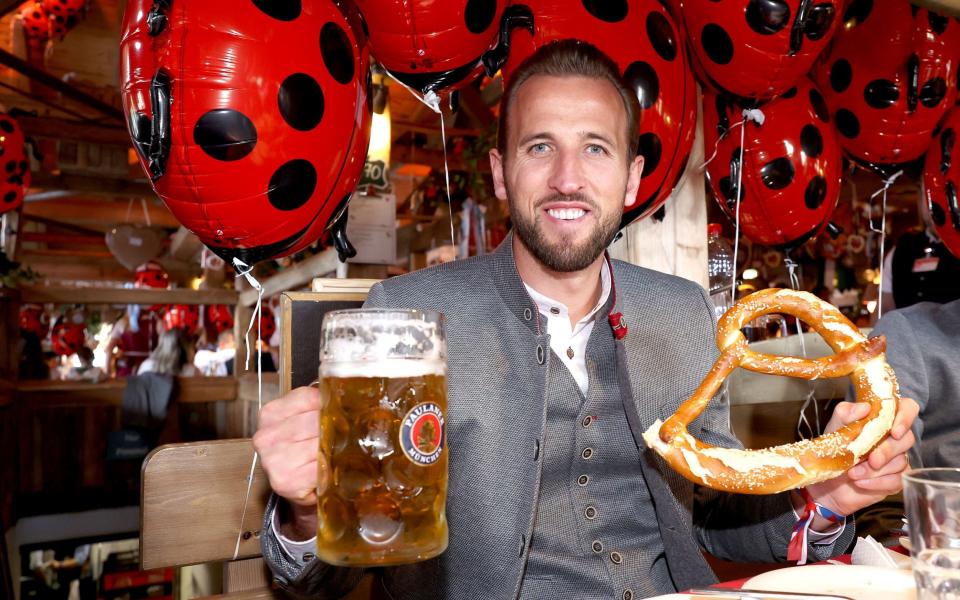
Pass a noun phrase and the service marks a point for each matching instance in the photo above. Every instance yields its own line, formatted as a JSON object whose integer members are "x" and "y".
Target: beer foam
{"x": 390, "y": 368}
{"x": 371, "y": 340}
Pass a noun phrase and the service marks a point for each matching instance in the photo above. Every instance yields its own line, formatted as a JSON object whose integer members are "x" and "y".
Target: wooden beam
{"x": 398, "y": 127}
{"x": 51, "y": 127}
{"x": 98, "y": 212}
{"x": 475, "y": 107}
{"x": 64, "y": 238}
{"x": 400, "y": 153}
{"x": 93, "y": 184}
{"x": 49, "y": 394}
{"x": 296, "y": 276}
{"x": 42, "y": 77}
{"x": 106, "y": 268}
{"x": 64, "y": 226}
{"x": 67, "y": 295}
{"x": 8, "y": 6}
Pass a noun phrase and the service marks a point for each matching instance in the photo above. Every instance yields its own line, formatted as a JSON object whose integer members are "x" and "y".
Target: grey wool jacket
{"x": 498, "y": 363}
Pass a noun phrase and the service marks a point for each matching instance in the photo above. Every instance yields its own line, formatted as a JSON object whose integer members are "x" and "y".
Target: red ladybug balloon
{"x": 642, "y": 38}
{"x": 63, "y": 15}
{"x": 941, "y": 178}
{"x": 889, "y": 78}
{"x": 185, "y": 317}
{"x": 33, "y": 319}
{"x": 430, "y": 45}
{"x": 757, "y": 48}
{"x": 220, "y": 317}
{"x": 151, "y": 274}
{"x": 33, "y": 18}
{"x": 14, "y": 166}
{"x": 67, "y": 338}
{"x": 791, "y": 165}
{"x": 252, "y": 118}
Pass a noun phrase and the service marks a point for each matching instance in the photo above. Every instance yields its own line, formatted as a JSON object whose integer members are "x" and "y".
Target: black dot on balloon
{"x": 11, "y": 166}
{"x": 847, "y": 123}
{"x": 857, "y": 12}
{"x": 10, "y": 196}
{"x": 479, "y": 14}
{"x": 811, "y": 141}
{"x": 815, "y": 193}
{"x": 225, "y": 134}
{"x": 661, "y": 36}
{"x": 819, "y": 105}
{"x": 881, "y": 93}
{"x": 727, "y": 189}
{"x": 301, "y": 101}
{"x": 937, "y": 214}
{"x": 937, "y": 23}
{"x": 717, "y": 44}
{"x": 818, "y": 22}
{"x": 281, "y": 10}
{"x": 651, "y": 149}
{"x": 292, "y": 184}
{"x": 792, "y": 92}
{"x": 778, "y": 173}
{"x": 933, "y": 92}
{"x": 767, "y": 17}
{"x": 840, "y": 75}
{"x": 6, "y": 125}
{"x": 24, "y": 166}
{"x": 611, "y": 11}
{"x": 337, "y": 53}
{"x": 643, "y": 79}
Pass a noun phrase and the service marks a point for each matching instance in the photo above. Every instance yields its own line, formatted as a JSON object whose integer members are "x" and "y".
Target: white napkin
{"x": 870, "y": 552}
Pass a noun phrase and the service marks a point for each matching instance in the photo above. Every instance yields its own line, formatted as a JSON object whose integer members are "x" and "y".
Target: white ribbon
{"x": 246, "y": 271}
{"x": 755, "y": 115}
{"x": 883, "y": 230}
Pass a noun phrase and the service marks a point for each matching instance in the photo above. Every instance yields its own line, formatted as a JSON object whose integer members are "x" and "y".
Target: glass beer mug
{"x": 383, "y": 398}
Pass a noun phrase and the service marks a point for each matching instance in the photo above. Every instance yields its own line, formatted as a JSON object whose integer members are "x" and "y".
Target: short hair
{"x": 571, "y": 58}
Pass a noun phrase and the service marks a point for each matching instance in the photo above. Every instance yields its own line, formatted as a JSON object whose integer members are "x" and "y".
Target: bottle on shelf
{"x": 720, "y": 268}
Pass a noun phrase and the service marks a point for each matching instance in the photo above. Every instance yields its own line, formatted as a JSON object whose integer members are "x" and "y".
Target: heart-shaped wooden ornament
{"x": 133, "y": 245}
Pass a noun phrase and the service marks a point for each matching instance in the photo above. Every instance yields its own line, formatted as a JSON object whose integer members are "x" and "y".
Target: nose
{"x": 566, "y": 176}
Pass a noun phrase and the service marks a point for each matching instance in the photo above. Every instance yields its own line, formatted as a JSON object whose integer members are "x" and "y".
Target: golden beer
{"x": 383, "y": 438}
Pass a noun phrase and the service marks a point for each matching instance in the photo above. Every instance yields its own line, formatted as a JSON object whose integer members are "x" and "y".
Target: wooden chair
{"x": 192, "y": 494}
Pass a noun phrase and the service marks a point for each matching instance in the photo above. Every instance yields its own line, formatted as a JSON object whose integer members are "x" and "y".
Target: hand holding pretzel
{"x": 793, "y": 465}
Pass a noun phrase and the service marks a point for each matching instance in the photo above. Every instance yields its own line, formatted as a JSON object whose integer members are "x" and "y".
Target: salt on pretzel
{"x": 792, "y": 465}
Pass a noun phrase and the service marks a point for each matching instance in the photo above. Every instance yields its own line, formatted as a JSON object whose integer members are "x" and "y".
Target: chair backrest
{"x": 192, "y": 506}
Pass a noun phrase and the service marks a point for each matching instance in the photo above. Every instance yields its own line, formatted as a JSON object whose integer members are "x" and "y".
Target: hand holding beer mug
{"x": 383, "y": 403}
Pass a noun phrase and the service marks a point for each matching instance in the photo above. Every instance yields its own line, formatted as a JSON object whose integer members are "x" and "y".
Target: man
{"x": 558, "y": 360}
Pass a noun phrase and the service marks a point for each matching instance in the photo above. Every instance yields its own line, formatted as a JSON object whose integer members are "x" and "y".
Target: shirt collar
{"x": 551, "y": 308}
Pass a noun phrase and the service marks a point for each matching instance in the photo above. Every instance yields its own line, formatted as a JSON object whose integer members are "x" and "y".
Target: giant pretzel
{"x": 792, "y": 465}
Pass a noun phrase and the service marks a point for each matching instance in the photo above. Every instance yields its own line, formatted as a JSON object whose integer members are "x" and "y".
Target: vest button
{"x": 590, "y": 513}
{"x": 627, "y": 594}
{"x": 587, "y": 453}
{"x": 616, "y": 558}
{"x": 527, "y": 314}
{"x": 540, "y": 354}
{"x": 582, "y": 480}
{"x": 597, "y": 547}
{"x": 587, "y": 420}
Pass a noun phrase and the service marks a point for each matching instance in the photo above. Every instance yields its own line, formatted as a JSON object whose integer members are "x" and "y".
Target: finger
{"x": 886, "y": 485}
{"x": 890, "y": 448}
{"x": 296, "y": 428}
{"x": 907, "y": 411}
{"x": 847, "y": 412}
{"x": 865, "y": 470}
{"x": 302, "y": 399}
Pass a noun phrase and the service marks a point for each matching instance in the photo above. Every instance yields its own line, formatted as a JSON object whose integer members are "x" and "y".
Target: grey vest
{"x": 596, "y": 527}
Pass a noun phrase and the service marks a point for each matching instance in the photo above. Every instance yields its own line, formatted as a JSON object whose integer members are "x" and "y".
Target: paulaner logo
{"x": 421, "y": 434}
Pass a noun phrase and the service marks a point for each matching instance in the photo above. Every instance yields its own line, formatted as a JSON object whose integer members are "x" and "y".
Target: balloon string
{"x": 883, "y": 230}
{"x": 757, "y": 116}
{"x": 146, "y": 213}
{"x": 432, "y": 101}
{"x": 129, "y": 208}
{"x": 792, "y": 268}
{"x": 246, "y": 271}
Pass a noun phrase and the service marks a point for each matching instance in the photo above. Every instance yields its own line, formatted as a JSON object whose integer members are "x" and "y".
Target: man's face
{"x": 564, "y": 170}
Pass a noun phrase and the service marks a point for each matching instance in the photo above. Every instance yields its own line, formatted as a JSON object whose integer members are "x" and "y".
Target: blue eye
{"x": 538, "y": 148}
{"x": 596, "y": 149}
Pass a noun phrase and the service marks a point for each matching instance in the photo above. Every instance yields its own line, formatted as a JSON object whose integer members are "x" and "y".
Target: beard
{"x": 563, "y": 255}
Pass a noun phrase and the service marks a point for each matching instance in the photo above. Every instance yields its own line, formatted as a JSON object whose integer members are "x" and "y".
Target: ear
{"x": 633, "y": 180}
{"x": 496, "y": 170}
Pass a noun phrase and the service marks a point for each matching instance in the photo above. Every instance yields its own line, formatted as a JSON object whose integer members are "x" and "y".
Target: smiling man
{"x": 558, "y": 359}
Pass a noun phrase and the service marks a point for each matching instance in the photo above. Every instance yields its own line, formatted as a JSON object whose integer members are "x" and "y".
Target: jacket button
{"x": 587, "y": 453}
{"x": 587, "y": 420}
{"x": 627, "y": 594}
{"x": 597, "y": 547}
{"x": 590, "y": 513}
{"x": 616, "y": 558}
{"x": 527, "y": 314}
{"x": 540, "y": 354}
{"x": 582, "y": 480}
